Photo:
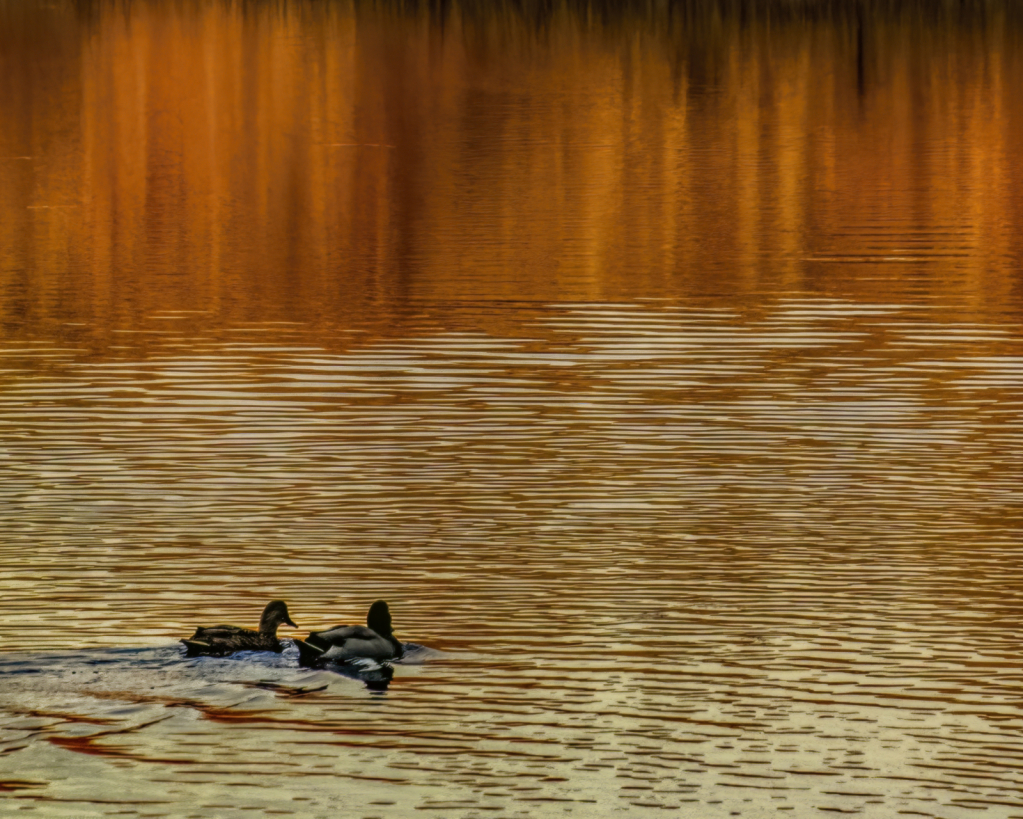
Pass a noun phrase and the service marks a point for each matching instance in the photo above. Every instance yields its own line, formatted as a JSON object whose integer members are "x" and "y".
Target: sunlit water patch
{"x": 672, "y": 558}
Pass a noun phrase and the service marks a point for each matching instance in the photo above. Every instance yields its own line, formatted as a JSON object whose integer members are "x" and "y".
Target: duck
{"x": 373, "y": 641}
{"x": 220, "y": 641}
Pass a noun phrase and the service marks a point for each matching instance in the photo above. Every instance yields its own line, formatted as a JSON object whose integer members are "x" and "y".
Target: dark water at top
{"x": 660, "y": 364}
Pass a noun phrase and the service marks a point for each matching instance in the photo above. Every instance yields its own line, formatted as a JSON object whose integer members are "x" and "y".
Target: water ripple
{"x": 673, "y": 556}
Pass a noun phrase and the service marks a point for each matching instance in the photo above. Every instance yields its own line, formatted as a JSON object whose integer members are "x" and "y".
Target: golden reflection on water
{"x": 662, "y": 368}
{"x": 330, "y": 162}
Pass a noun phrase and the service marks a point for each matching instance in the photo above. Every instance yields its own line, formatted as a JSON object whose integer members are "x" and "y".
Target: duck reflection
{"x": 376, "y": 676}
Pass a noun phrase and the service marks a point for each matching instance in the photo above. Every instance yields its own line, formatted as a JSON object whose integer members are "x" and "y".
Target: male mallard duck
{"x": 219, "y": 641}
{"x": 374, "y": 641}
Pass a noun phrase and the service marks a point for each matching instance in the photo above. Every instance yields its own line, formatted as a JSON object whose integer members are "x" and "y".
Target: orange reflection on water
{"x": 332, "y": 162}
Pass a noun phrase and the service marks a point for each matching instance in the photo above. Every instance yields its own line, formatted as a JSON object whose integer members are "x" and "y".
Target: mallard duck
{"x": 374, "y": 641}
{"x": 219, "y": 641}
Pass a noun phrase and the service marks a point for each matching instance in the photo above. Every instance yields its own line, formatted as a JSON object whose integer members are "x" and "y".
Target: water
{"x": 661, "y": 367}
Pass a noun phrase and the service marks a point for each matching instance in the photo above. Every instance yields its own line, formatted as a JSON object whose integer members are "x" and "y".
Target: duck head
{"x": 275, "y": 614}
{"x": 379, "y": 618}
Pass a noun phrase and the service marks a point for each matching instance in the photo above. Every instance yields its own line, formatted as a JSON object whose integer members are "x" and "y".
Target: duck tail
{"x": 194, "y": 648}
{"x": 308, "y": 654}
{"x": 317, "y": 641}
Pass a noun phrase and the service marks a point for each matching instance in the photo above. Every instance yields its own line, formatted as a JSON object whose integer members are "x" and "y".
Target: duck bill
{"x": 287, "y": 620}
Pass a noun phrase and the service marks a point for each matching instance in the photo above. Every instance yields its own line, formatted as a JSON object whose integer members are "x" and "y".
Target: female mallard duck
{"x": 219, "y": 641}
{"x": 374, "y": 641}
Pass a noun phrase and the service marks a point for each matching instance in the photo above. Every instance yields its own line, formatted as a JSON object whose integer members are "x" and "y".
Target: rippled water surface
{"x": 661, "y": 366}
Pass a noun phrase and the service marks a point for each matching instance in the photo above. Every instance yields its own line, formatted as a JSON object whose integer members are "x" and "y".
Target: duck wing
{"x": 346, "y": 643}
{"x": 339, "y": 635}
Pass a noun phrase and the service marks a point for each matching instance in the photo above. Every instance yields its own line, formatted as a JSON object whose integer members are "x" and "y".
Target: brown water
{"x": 662, "y": 367}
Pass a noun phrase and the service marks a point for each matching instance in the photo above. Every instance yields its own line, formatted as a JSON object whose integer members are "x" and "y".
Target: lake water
{"x": 661, "y": 365}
